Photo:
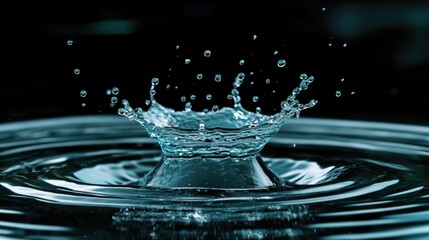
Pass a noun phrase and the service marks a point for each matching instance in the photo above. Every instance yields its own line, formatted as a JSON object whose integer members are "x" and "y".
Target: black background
{"x": 385, "y": 63}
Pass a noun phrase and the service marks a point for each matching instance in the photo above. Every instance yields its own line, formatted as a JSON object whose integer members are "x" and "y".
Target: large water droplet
{"x": 215, "y": 108}
{"x": 76, "y": 71}
{"x": 114, "y": 99}
{"x": 115, "y": 91}
{"x": 187, "y": 61}
{"x": 83, "y": 93}
{"x": 281, "y": 63}
{"x": 207, "y": 53}
{"x": 199, "y": 76}
{"x": 155, "y": 81}
{"x": 218, "y": 78}
{"x": 209, "y": 97}
{"x": 338, "y": 93}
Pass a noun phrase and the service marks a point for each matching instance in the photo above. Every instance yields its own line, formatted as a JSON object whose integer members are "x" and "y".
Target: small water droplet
{"x": 183, "y": 98}
{"x": 147, "y": 102}
{"x": 330, "y": 45}
{"x": 323, "y": 9}
{"x": 342, "y": 79}
{"x": 83, "y": 93}
{"x": 294, "y": 145}
{"x": 338, "y": 93}
{"x": 241, "y": 62}
{"x": 241, "y": 76}
{"x": 276, "y": 52}
{"x": 69, "y": 42}
{"x": 115, "y": 91}
{"x": 215, "y": 108}
{"x": 251, "y": 83}
{"x": 229, "y": 96}
{"x": 199, "y": 76}
{"x": 152, "y": 92}
{"x": 218, "y": 78}
{"x": 76, "y": 71}
{"x": 251, "y": 73}
{"x": 83, "y": 104}
{"x": 352, "y": 93}
{"x": 258, "y": 110}
{"x": 254, "y": 37}
{"x": 207, "y": 53}
{"x": 187, "y": 61}
{"x": 281, "y": 63}
{"x": 114, "y": 99}
{"x": 267, "y": 81}
{"x": 209, "y": 97}
{"x": 108, "y": 92}
{"x": 193, "y": 97}
{"x": 177, "y": 47}
{"x": 176, "y": 87}
{"x": 168, "y": 86}
{"x": 344, "y": 45}
{"x": 303, "y": 76}
{"x": 155, "y": 81}
{"x": 255, "y": 98}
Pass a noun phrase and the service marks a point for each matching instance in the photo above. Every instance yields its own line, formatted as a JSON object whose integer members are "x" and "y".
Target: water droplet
{"x": 188, "y": 107}
{"x": 207, "y": 53}
{"x": 342, "y": 79}
{"x": 281, "y": 63}
{"x": 267, "y": 81}
{"x": 155, "y": 81}
{"x": 344, "y": 45}
{"x": 209, "y": 97}
{"x": 177, "y": 47}
{"x": 193, "y": 97}
{"x": 324, "y": 9}
{"x": 294, "y": 145}
{"x": 241, "y": 62}
{"x": 183, "y": 98}
{"x": 147, "y": 102}
{"x": 202, "y": 125}
{"x": 276, "y": 52}
{"x": 254, "y": 37}
{"x": 114, "y": 99}
{"x": 115, "y": 91}
{"x": 241, "y": 76}
{"x": 251, "y": 83}
{"x": 76, "y": 71}
{"x": 338, "y": 93}
{"x": 258, "y": 110}
{"x": 229, "y": 96}
{"x": 215, "y": 108}
{"x": 251, "y": 73}
{"x": 255, "y": 98}
{"x": 152, "y": 92}
{"x": 352, "y": 93}
{"x": 176, "y": 87}
{"x": 330, "y": 45}
{"x": 112, "y": 104}
{"x": 83, "y": 93}
{"x": 303, "y": 76}
{"x": 199, "y": 76}
{"x": 187, "y": 61}
{"x": 108, "y": 92}
{"x": 83, "y": 104}
{"x": 69, "y": 42}
{"x": 168, "y": 86}
{"x": 218, "y": 78}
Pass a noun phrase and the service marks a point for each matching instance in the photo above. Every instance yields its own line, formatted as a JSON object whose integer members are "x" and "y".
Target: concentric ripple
{"x": 77, "y": 177}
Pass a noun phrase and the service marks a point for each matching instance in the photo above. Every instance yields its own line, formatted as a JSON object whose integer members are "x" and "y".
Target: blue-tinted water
{"x": 80, "y": 177}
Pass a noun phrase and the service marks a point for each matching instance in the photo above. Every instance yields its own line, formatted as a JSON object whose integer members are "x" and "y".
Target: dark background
{"x": 385, "y": 62}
